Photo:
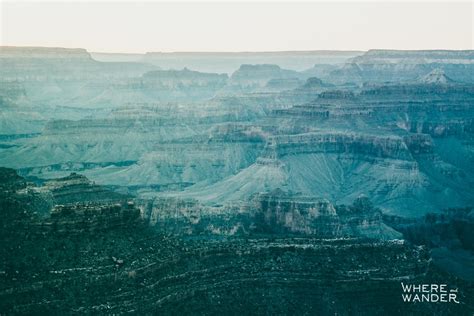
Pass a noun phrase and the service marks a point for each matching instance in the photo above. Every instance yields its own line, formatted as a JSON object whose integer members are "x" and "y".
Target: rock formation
{"x": 145, "y": 189}
{"x": 104, "y": 259}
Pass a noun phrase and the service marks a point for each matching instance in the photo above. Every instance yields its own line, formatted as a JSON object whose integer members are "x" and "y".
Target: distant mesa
{"x": 260, "y": 75}
{"x": 185, "y": 84}
{"x": 185, "y": 73}
{"x": 229, "y": 62}
{"x": 388, "y": 55}
{"x": 44, "y": 52}
{"x": 263, "y": 71}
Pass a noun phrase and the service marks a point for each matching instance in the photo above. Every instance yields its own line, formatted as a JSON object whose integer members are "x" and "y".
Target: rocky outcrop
{"x": 68, "y": 205}
{"x": 226, "y": 62}
{"x": 105, "y": 260}
{"x": 391, "y": 65}
{"x": 364, "y": 145}
{"x": 91, "y": 217}
{"x": 177, "y": 85}
{"x": 256, "y": 76}
{"x": 10, "y": 181}
{"x": 76, "y": 188}
{"x": 278, "y": 212}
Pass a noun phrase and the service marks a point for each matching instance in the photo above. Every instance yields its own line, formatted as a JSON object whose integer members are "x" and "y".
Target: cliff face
{"x": 276, "y": 213}
{"x": 175, "y": 85}
{"x": 364, "y": 145}
{"x": 256, "y": 76}
{"x": 406, "y": 144}
{"x": 40, "y": 64}
{"x": 77, "y": 188}
{"x": 398, "y": 140}
{"x": 106, "y": 260}
{"x": 69, "y": 206}
{"x": 387, "y": 65}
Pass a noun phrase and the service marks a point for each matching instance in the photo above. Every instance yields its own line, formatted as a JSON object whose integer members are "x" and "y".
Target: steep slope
{"x": 105, "y": 260}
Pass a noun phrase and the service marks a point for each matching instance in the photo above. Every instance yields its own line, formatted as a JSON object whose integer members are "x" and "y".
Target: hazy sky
{"x": 157, "y": 26}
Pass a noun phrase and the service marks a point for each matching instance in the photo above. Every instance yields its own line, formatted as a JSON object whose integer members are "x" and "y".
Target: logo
{"x": 429, "y": 293}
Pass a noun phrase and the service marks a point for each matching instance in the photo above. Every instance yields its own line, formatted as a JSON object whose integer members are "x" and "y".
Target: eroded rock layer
{"x": 234, "y": 183}
{"x": 102, "y": 257}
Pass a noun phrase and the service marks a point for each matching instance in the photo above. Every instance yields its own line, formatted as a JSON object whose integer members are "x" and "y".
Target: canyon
{"x": 216, "y": 183}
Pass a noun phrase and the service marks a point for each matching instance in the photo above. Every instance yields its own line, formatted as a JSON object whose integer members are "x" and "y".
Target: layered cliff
{"x": 280, "y": 212}
{"x": 44, "y": 63}
{"x": 406, "y": 144}
{"x": 105, "y": 260}
{"x": 391, "y": 65}
{"x": 251, "y": 77}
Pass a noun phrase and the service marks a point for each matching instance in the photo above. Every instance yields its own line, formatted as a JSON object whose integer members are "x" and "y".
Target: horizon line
{"x": 240, "y": 52}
